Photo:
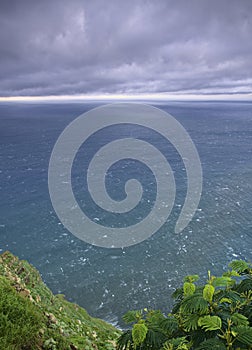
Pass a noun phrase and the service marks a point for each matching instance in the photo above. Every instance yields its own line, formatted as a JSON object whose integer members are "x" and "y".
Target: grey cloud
{"x": 62, "y": 47}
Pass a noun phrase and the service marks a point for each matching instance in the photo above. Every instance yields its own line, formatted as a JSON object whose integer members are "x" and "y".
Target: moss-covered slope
{"x": 31, "y": 317}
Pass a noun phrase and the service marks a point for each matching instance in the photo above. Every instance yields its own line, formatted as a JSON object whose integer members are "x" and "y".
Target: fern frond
{"x": 232, "y": 295}
{"x": 231, "y": 273}
{"x": 243, "y": 334}
{"x": 176, "y": 343}
{"x": 169, "y": 325}
{"x": 247, "y": 311}
{"x": 188, "y": 288}
{"x": 125, "y": 341}
{"x": 239, "y": 266}
{"x": 154, "y": 317}
{"x": 139, "y": 332}
{"x": 210, "y": 323}
{"x": 194, "y": 304}
{"x": 132, "y": 316}
{"x": 191, "y": 322}
{"x": 208, "y": 292}
{"x": 223, "y": 281}
{"x": 239, "y": 319}
{"x": 245, "y": 285}
{"x": 154, "y": 340}
{"x": 211, "y": 344}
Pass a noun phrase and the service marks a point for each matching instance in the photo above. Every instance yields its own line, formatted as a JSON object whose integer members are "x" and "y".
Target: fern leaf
{"x": 155, "y": 317}
{"x": 132, "y": 316}
{"x": 191, "y": 322}
{"x": 210, "y": 344}
{"x": 223, "y": 281}
{"x": 239, "y": 319}
{"x": 139, "y": 332}
{"x": 226, "y": 300}
{"x": 194, "y": 304}
{"x": 231, "y": 273}
{"x": 188, "y": 289}
{"x": 239, "y": 266}
{"x": 169, "y": 325}
{"x": 210, "y": 323}
{"x": 154, "y": 339}
{"x": 208, "y": 292}
{"x": 125, "y": 341}
{"x": 244, "y": 286}
{"x": 167, "y": 346}
{"x": 176, "y": 343}
{"x": 231, "y": 295}
{"x": 244, "y": 334}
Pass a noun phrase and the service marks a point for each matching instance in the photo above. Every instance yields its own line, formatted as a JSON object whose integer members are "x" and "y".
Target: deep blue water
{"x": 108, "y": 282}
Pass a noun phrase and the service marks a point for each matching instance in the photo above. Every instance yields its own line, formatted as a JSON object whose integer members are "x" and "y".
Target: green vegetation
{"x": 217, "y": 315}
{"x": 31, "y": 317}
{"x": 19, "y": 319}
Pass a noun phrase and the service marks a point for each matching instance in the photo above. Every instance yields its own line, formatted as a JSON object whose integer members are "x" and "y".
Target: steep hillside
{"x": 31, "y": 317}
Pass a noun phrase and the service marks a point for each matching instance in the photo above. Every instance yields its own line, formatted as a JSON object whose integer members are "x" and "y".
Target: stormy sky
{"x": 64, "y": 47}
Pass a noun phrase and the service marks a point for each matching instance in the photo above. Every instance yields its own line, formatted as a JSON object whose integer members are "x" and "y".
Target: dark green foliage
{"x": 169, "y": 325}
{"x": 139, "y": 332}
{"x": 194, "y": 304}
{"x": 132, "y": 316}
{"x": 20, "y": 320}
{"x": 244, "y": 334}
{"x": 217, "y": 315}
{"x": 175, "y": 343}
{"x": 210, "y": 344}
{"x": 210, "y": 323}
{"x": 240, "y": 266}
{"x": 245, "y": 286}
{"x": 156, "y": 326}
{"x": 32, "y": 318}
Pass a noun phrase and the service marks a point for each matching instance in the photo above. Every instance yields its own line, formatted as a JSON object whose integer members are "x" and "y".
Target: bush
{"x": 20, "y": 320}
{"x": 217, "y": 315}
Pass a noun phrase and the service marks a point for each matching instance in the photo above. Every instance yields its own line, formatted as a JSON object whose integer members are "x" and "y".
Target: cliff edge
{"x": 32, "y": 317}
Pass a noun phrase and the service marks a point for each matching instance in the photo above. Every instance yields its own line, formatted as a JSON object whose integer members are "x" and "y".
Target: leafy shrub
{"x": 217, "y": 315}
{"x": 19, "y": 319}
{"x": 32, "y": 318}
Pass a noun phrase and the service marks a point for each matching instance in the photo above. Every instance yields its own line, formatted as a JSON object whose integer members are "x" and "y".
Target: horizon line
{"x": 152, "y": 96}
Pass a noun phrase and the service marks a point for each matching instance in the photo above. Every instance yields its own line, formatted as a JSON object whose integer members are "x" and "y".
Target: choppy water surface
{"x": 108, "y": 282}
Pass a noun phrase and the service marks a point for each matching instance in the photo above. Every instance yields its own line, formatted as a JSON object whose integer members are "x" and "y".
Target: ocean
{"x": 106, "y": 281}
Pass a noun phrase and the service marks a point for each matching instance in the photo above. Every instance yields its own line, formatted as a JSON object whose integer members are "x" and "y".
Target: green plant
{"x": 32, "y": 318}
{"x": 19, "y": 319}
{"x": 217, "y": 315}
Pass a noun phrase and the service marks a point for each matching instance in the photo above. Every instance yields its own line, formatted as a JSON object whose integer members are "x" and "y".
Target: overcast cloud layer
{"x": 97, "y": 47}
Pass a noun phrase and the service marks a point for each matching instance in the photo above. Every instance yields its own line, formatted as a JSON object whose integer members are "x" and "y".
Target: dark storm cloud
{"x": 76, "y": 47}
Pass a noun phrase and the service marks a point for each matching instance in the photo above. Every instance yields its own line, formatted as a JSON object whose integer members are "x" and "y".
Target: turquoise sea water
{"x": 108, "y": 282}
